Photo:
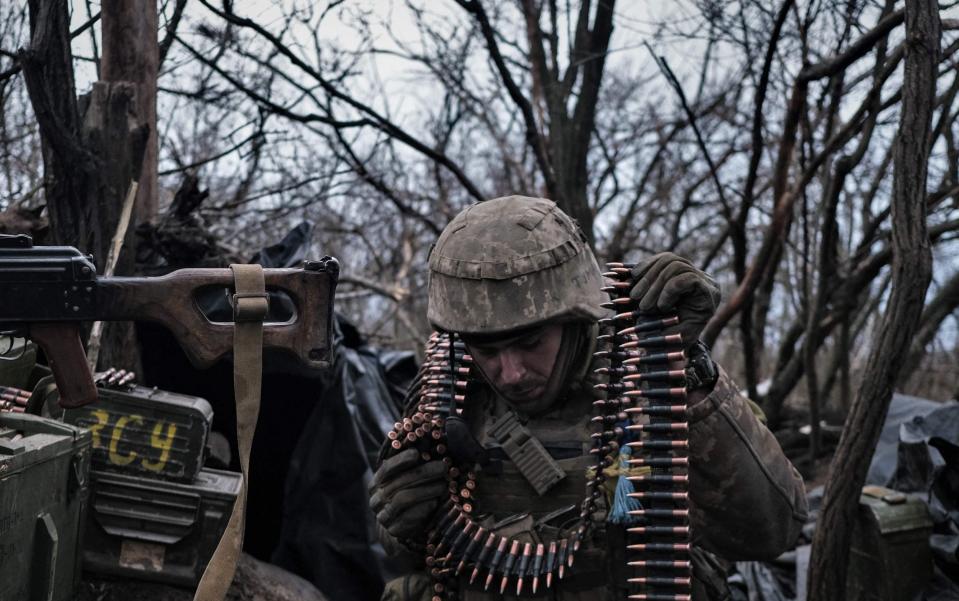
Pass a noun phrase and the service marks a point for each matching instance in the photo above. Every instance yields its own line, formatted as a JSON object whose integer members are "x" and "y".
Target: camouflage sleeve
{"x": 747, "y": 501}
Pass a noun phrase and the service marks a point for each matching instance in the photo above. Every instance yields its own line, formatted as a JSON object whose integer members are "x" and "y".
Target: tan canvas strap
{"x": 250, "y": 304}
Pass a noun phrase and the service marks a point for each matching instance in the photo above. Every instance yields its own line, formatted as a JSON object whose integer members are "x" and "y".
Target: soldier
{"x": 516, "y": 280}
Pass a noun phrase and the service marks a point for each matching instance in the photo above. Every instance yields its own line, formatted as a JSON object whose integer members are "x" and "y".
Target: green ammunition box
{"x": 148, "y": 529}
{"x": 890, "y": 559}
{"x": 44, "y": 471}
{"x": 146, "y": 432}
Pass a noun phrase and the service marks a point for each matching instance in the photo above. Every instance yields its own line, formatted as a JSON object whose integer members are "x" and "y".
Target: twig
{"x": 210, "y": 159}
{"x": 395, "y": 293}
{"x": 171, "y": 28}
{"x": 96, "y": 332}
{"x": 16, "y": 69}
{"x": 674, "y": 83}
{"x": 376, "y": 120}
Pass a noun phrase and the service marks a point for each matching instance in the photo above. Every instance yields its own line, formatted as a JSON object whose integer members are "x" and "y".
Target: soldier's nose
{"x": 512, "y": 370}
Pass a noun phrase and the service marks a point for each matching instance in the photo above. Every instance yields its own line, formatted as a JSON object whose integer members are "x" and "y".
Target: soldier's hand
{"x": 405, "y": 493}
{"x": 668, "y": 283}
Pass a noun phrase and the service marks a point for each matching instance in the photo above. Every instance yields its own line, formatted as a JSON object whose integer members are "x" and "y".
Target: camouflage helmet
{"x": 510, "y": 263}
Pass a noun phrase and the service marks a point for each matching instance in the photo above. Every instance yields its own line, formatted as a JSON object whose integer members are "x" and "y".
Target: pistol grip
{"x": 61, "y": 344}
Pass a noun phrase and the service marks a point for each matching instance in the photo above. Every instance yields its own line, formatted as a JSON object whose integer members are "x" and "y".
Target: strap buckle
{"x": 250, "y": 306}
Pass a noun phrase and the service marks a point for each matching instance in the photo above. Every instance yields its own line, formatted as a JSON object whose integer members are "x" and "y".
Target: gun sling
{"x": 249, "y": 309}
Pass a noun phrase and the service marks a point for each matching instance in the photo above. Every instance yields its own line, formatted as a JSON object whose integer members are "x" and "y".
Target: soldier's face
{"x": 519, "y": 367}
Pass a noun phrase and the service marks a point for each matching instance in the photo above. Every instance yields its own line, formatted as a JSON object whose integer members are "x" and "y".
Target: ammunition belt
{"x": 645, "y": 417}
{"x": 590, "y": 574}
{"x": 641, "y": 386}
{"x": 433, "y": 424}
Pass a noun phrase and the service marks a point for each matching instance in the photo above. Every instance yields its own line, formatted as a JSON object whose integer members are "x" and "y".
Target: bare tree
{"x": 769, "y": 168}
{"x": 911, "y": 272}
{"x": 93, "y": 149}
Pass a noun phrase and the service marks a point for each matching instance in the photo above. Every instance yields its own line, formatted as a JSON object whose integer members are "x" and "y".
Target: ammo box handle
{"x": 39, "y": 425}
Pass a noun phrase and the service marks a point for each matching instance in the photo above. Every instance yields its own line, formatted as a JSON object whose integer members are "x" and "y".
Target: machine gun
{"x": 47, "y": 291}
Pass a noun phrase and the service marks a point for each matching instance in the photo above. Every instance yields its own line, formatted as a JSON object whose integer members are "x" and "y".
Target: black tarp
{"x": 288, "y": 395}
{"x": 327, "y": 535}
{"x": 316, "y": 438}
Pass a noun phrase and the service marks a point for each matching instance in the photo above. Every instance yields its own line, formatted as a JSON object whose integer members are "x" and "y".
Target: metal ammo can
{"x": 155, "y": 530}
{"x": 44, "y": 467}
{"x": 155, "y": 513}
{"x": 146, "y": 432}
{"x": 890, "y": 558}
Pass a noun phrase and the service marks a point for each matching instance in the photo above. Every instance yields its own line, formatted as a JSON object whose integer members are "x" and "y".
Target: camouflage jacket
{"x": 747, "y": 501}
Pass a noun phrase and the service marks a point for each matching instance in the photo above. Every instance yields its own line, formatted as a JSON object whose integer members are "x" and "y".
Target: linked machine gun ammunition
{"x": 645, "y": 411}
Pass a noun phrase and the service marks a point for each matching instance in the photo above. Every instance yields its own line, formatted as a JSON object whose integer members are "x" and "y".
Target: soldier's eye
{"x": 483, "y": 352}
{"x": 529, "y": 344}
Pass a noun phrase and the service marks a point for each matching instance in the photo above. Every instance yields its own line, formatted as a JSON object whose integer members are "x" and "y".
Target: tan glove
{"x": 405, "y": 493}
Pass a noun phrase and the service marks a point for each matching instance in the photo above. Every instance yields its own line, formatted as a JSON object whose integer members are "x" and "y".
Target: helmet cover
{"x": 510, "y": 263}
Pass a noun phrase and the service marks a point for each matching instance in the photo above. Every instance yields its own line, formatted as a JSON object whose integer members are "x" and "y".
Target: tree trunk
{"x": 939, "y": 308}
{"x": 67, "y": 165}
{"x": 131, "y": 54}
{"x": 92, "y": 151}
{"x": 845, "y": 387}
{"x": 129, "y": 67}
{"x": 911, "y": 273}
{"x": 113, "y": 132}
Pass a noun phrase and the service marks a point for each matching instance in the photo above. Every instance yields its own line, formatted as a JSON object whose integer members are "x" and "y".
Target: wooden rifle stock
{"x": 46, "y": 292}
{"x": 61, "y": 344}
{"x": 305, "y": 335}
